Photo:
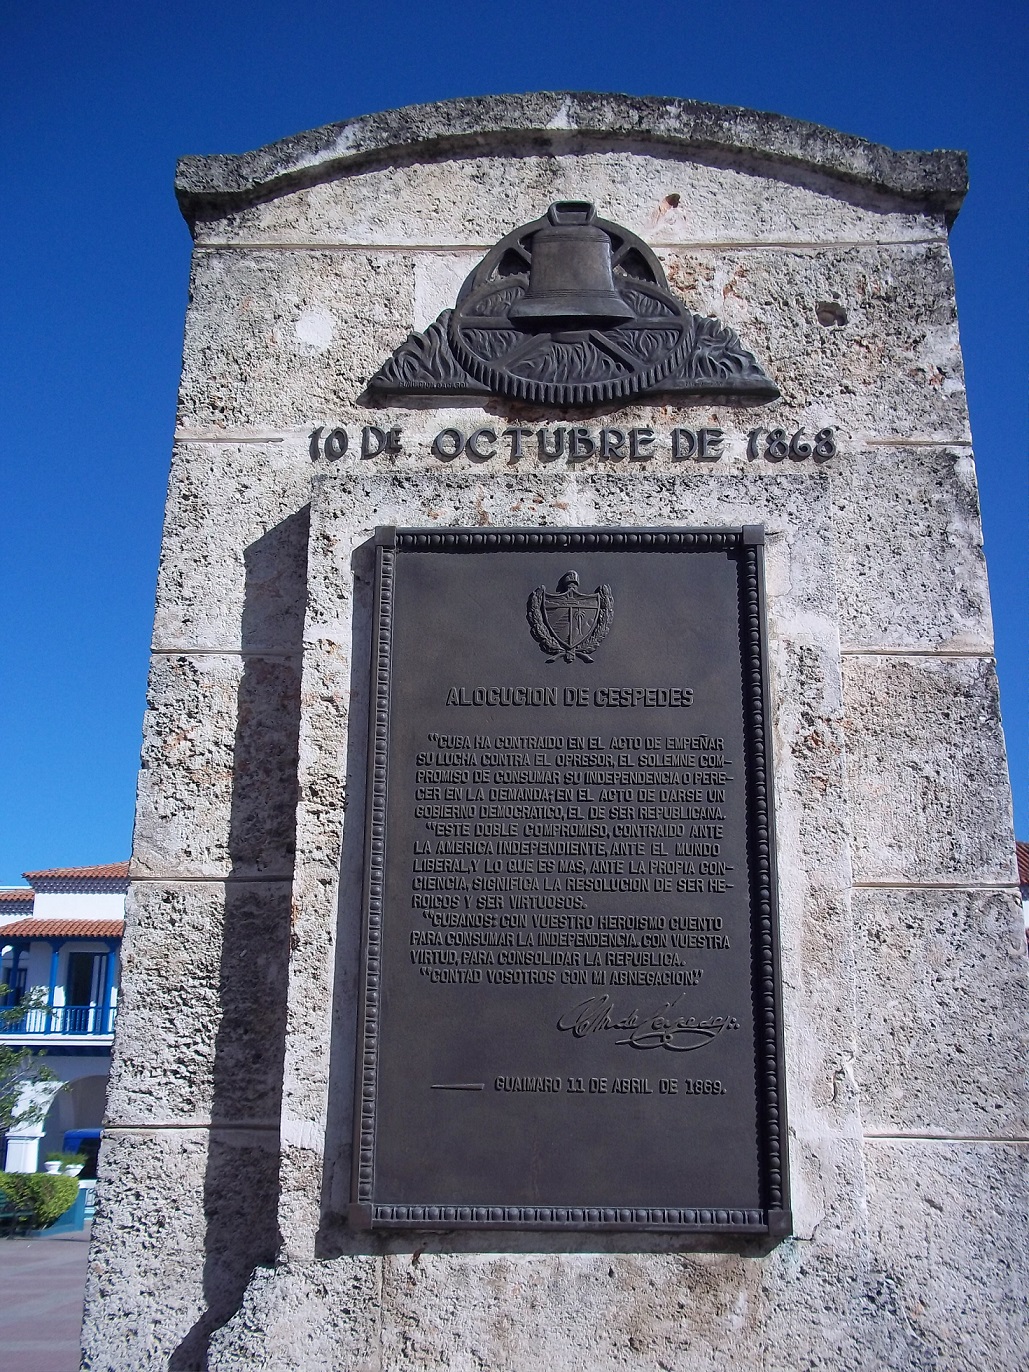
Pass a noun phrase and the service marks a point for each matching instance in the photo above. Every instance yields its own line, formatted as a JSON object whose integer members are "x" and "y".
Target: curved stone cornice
{"x": 209, "y": 186}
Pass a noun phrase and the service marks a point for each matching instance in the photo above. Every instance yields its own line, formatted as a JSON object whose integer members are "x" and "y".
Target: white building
{"x": 62, "y": 936}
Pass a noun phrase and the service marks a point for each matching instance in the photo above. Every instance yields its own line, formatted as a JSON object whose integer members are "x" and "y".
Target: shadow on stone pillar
{"x": 241, "y": 1182}
{"x": 334, "y": 1237}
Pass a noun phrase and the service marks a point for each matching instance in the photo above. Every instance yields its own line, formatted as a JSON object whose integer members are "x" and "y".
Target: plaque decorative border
{"x": 774, "y": 1219}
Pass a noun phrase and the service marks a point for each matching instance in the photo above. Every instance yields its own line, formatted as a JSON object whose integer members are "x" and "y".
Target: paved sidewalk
{"x": 41, "y": 1287}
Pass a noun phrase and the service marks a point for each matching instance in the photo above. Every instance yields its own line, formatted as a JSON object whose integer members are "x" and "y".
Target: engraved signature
{"x": 665, "y": 1028}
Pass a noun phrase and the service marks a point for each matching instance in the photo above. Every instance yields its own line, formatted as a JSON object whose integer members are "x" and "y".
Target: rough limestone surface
{"x": 671, "y": 203}
{"x": 920, "y": 950}
{"x": 221, "y": 1240}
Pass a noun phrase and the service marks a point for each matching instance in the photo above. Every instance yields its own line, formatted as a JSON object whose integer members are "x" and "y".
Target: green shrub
{"x": 40, "y": 1196}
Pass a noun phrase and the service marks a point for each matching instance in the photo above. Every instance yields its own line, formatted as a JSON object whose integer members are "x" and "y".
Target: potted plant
{"x": 53, "y": 1163}
{"x": 72, "y": 1163}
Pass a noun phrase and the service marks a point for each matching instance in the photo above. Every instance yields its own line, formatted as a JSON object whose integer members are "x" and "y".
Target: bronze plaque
{"x": 570, "y": 1008}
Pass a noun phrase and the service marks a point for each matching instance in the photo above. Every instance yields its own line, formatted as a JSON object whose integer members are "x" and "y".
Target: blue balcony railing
{"x": 64, "y": 1019}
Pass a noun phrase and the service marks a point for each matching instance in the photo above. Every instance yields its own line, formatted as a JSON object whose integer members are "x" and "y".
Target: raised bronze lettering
{"x": 562, "y": 861}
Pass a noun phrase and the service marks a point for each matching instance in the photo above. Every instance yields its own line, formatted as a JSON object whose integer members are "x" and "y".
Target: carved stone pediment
{"x": 571, "y": 310}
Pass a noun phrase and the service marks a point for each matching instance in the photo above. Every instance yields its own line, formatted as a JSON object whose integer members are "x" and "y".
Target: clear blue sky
{"x": 98, "y": 100}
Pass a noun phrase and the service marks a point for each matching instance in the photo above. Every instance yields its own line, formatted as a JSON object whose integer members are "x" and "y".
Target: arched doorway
{"x": 78, "y": 1105}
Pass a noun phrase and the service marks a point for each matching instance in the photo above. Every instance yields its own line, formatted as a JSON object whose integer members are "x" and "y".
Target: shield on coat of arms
{"x": 569, "y": 623}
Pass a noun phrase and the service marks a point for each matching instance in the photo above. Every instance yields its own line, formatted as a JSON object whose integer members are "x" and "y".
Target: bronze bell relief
{"x": 570, "y": 278}
{"x": 571, "y": 309}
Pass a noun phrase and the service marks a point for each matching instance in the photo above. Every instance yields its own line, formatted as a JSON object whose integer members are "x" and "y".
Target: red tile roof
{"x": 62, "y": 928}
{"x": 23, "y": 895}
{"x": 110, "y": 871}
{"x": 1022, "y": 856}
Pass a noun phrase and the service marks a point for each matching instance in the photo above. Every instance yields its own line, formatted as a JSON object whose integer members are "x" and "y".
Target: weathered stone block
{"x": 217, "y": 789}
{"x": 928, "y": 775}
{"x": 589, "y": 1312}
{"x": 947, "y": 1222}
{"x": 202, "y": 1023}
{"x": 438, "y": 277}
{"x": 307, "y": 1174}
{"x": 531, "y": 126}
{"x": 234, "y": 555}
{"x": 828, "y": 1193}
{"x": 473, "y": 199}
{"x": 893, "y": 369}
{"x": 818, "y": 1010}
{"x": 942, "y": 1012}
{"x": 290, "y": 338}
{"x": 827, "y": 1300}
{"x": 183, "y": 1217}
{"x": 911, "y": 567}
{"x": 304, "y": 1317}
{"x": 285, "y": 338}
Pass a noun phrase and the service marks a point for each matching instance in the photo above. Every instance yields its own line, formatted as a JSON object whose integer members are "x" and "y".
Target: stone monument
{"x": 573, "y": 918}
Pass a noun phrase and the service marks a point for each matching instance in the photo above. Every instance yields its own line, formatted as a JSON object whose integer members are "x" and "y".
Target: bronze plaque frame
{"x": 628, "y": 1152}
